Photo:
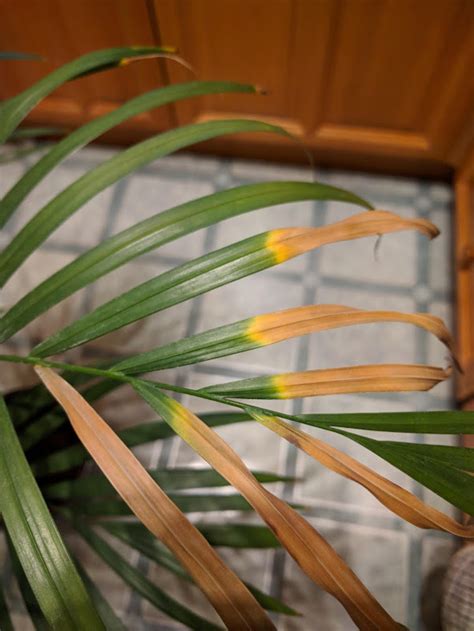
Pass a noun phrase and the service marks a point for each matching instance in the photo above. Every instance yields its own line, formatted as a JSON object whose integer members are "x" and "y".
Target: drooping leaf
{"x": 349, "y": 379}
{"x": 169, "y": 479}
{"x": 395, "y": 498}
{"x": 136, "y": 536}
{"x": 230, "y": 598}
{"x": 187, "y": 503}
{"x": 140, "y": 584}
{"x": 14, "y": 110}
{"x": 239, "y": 535}
{"x": 158, "y": 230}
{"x": 457, "y": 457}
{"x": 310, "y": 550}
{"x": 220, "y": 535}
{"x": 107, "y": 614}
{"x": 434, "y": 422}
{"x": 139, "y": 434}
{"x": 454, "y": 485}
{"x": 91, "y": 130}
{"x": 40, "y": 549}
{"x": 267, "y": 329}
{"x": 27, "y": 405}
{"x": 66, "y": 203}
{"x": 48, "y": 417}
{"x": 34, "y": 611}
{"x": 213, "y": 270}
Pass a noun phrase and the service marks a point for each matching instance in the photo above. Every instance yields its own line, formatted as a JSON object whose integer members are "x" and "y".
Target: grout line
{"x": 112, "y": 212}
{"x": 422, "y": 304}
{"x": 172, "y": 172}
{"x": 196, "y": 308}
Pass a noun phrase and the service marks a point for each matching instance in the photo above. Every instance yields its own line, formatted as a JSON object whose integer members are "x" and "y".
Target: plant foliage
{"x": 41, "y": 485}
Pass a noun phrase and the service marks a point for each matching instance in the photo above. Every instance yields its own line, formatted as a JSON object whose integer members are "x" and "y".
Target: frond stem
{"x": 110, "y": 374}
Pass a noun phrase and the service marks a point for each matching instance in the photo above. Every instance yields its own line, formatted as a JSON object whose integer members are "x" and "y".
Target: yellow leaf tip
{"x": 285, "y": 243}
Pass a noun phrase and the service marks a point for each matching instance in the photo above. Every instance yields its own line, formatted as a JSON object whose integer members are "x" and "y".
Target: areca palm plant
{"x": 50, "y": 430}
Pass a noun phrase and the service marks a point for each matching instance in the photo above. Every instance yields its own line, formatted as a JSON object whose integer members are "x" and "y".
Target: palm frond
{"x": 154, "y": 232}
{"x": 42, "y": 458}
{"x": 230, "y": 598}
{"x": 453, "y": 484}
{"x": 345, "y": 380}
{"x": 54, "y": 580}
{"x": 434, "y": 422}
{"x": 270, "y": 328}
{"x": 140, "y": 539}
{"x": 92, "y": 130}
{"x": 309, "y": 549}
{"x": 212, "y": 270}
{"x": 142, "y": 585}
{"x": 176, "y": 479}
{"x": 15, "y": 109}
{"x": 394, "y": 497}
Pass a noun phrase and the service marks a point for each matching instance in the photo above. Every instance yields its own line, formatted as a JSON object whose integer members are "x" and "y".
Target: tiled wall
{"x": 406, "y": 273}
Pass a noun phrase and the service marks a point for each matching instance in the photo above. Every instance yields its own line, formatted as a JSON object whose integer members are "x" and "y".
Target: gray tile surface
{"x": 407, "y": 273}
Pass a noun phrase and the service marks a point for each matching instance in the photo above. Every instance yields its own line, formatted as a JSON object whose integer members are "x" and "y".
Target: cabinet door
{"x": 60, "y": 30}
{"x": 366, "y": 83}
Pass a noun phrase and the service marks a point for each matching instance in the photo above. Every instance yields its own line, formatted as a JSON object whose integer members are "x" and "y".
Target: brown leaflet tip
{"x": 426, "y": 227}
{"x": 398, "y": 222}
{"x": 259, "y": 89}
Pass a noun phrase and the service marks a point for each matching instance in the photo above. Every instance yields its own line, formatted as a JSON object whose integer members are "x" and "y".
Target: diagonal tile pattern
{"x": 407, "y": 273}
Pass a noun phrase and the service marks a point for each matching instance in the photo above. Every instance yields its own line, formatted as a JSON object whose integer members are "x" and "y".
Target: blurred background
{"x": 379, "y": 84}
{"x": 381, "y": 94}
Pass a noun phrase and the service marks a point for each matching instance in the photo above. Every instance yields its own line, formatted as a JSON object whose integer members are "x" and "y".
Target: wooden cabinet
{"x": 380, "y": 84}
{"x": 370, "y": 83}
{"x": 60, "y": 30}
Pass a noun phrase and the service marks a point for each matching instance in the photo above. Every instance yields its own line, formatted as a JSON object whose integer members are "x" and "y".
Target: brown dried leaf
{"x": 289, "y": 242}
{"x": 281, "y": 325}
{"x": 394, "y": 497}
{"x": 352, "y": 379}
{"x": 229, "y": 596}
{"x": 345, "y": 380}
{"x": 310, "y": 550}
